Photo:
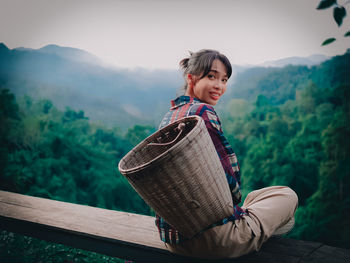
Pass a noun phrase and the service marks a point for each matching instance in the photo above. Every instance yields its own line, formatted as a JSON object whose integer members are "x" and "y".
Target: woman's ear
{"x": 190, "y": 80}
{"x": 190, "y": 83}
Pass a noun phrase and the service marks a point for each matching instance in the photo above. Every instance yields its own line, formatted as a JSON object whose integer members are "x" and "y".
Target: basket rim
{"x": 142, "y": 166}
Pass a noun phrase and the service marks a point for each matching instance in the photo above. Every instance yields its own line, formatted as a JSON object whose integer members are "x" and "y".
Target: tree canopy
{"x": 293, "y": 130}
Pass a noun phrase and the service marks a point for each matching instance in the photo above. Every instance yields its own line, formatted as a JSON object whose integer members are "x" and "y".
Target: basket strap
{"x": 180, "y": 127}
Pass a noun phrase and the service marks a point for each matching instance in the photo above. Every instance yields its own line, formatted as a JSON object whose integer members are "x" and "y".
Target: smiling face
{"x": 211, "y": 87}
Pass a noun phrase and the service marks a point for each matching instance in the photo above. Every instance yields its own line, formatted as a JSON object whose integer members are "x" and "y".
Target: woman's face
{"x": 210, "y": 88}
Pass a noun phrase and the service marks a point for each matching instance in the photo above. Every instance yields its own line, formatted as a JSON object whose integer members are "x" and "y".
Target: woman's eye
{"x": 224, "y": 80}
{"x": 210, "y": 76}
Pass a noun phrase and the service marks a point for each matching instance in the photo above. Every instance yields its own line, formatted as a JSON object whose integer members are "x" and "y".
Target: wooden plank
{"x": 127, "y": 235}
{"x": 113, "y": 233}
{"x": 279, "y": 249}
{"x": 81, "y": 218}
{"x": 327, "y": 254}
{"x": 290, "y": 247}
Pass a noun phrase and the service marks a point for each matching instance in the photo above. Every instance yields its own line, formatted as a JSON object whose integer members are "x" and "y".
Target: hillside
{"x": 288, "y": 126}
{"x": 71, "y": 77}
{"x": 281, "y": 84}
{"x": 74, "y": 78}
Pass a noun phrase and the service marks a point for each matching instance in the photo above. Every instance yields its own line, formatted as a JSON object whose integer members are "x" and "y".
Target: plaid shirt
{"x": 186, "y": 106}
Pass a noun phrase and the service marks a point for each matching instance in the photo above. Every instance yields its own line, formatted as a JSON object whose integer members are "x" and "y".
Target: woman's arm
{"x": 226, "y": 154}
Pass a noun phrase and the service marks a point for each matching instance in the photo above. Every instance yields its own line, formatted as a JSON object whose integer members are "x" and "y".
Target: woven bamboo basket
{"x": 178, "y": 173}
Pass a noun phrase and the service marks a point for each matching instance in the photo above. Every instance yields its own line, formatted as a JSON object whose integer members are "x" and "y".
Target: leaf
{"x": 347, "y": 34}
{"x": 339, "y": 13}
{"x": 328, "y": 41}
{"x": 325, "y": 4}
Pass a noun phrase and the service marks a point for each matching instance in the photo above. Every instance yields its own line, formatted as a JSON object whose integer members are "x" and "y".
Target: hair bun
{"x": 184, "y": 63}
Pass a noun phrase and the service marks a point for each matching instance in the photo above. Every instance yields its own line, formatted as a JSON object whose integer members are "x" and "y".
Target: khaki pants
{"x": 269, "y": 208}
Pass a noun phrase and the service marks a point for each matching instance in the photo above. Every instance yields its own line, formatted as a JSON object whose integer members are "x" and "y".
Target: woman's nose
{"x": 217, "y": 85}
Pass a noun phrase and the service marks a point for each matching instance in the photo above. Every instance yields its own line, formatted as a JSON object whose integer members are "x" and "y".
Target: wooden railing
{"x": 130, "y": 236}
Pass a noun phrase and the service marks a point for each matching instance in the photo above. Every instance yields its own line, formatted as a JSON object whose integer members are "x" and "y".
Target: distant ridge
{"x": 24, "y": 49}
{"x": 124, "y": 97}
{"x": 3, "y": 47}
{"x": 296, "y": 61}
{"x": 279, "y": 84}
{"x": 80, "y": 55}
{"x": 70, "y": 53}
{"x": 75, "y": 78}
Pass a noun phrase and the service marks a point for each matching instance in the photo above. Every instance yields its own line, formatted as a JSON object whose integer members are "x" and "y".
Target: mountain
{"x": 279, "y": 84}
{"x": 74, "y": 78}
{"x": 3, "y": 47}
{"x": 73, "y": 54}
{"x": 307, "y": 61}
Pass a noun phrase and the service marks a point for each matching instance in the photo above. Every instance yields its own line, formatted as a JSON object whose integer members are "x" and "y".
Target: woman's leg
{"x": 269, "y": 208}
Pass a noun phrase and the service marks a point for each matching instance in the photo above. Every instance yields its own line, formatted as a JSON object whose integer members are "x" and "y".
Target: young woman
{"x": 265, "y": 212}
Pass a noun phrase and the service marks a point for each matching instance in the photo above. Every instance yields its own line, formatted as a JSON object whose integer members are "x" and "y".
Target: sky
{"x": 157, "y": 34}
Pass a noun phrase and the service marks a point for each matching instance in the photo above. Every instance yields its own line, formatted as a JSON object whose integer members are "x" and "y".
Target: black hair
{"x": 199, "y": 64}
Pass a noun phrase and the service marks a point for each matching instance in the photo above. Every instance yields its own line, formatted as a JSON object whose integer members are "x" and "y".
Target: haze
{"x": 158, "y": 33}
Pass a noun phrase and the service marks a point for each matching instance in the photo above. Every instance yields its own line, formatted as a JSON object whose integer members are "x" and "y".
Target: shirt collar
{"x": 182, "y": 100}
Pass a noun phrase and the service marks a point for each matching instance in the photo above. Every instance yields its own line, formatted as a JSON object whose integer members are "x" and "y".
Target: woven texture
{"x": 182, "y": 180}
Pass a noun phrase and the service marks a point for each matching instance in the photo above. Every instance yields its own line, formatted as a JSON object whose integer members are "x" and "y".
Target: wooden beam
{"x": 127, "y": 235}
{"x": 113, "y": 233}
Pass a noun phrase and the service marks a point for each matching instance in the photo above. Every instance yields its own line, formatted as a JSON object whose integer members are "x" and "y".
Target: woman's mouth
{"x": 214, "y": 95}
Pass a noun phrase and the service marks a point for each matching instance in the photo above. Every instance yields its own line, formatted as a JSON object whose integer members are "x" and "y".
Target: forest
{"x": 291, "y": 126}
